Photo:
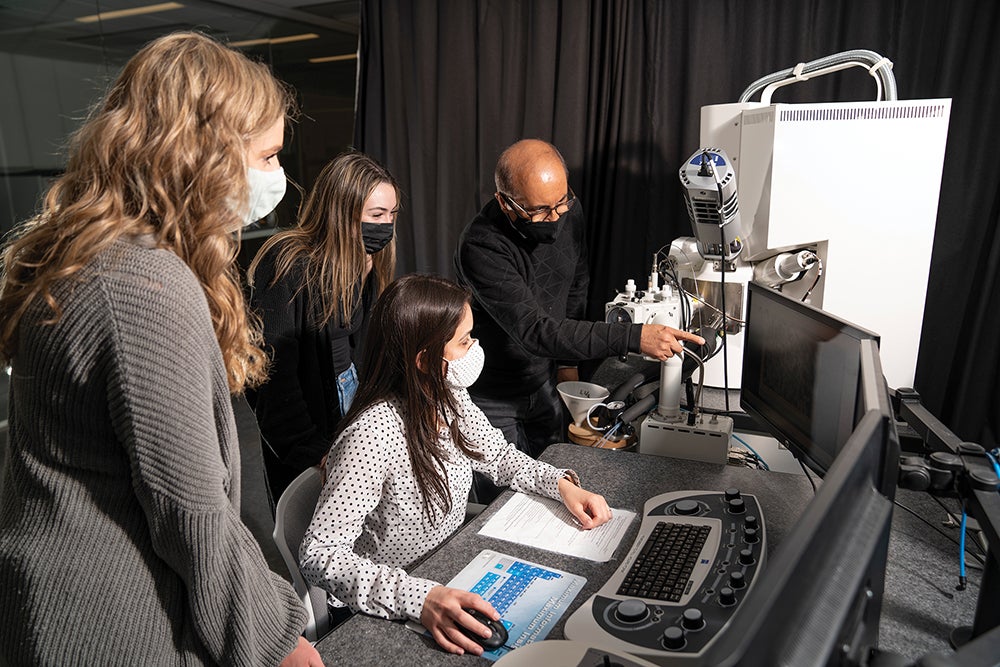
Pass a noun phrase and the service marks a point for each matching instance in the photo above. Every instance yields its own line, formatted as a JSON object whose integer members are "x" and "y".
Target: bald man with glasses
{"x": 525, "y": 260}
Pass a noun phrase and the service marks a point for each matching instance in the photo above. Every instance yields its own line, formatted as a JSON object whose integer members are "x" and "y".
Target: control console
{"x": 695, "y": 558}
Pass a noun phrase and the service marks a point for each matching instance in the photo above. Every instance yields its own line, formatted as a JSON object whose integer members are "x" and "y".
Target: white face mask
{"x": 464, "y": 371}
{"x": 267, "y": 188}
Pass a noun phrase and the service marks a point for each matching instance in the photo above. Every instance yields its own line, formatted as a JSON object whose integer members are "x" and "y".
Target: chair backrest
{"x": 291, "y": 518}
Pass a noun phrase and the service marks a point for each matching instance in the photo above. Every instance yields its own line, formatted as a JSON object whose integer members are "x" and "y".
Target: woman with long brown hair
{"x": 313, "y": 287}
{"x": 124, "y": 323}
{"x": 400, "y": 472}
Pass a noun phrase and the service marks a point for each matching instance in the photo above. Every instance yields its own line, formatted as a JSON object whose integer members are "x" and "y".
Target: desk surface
{"x": 626, "y": 480}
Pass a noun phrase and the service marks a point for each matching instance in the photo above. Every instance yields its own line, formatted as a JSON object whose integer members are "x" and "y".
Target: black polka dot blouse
{"x": 369, "y": 523}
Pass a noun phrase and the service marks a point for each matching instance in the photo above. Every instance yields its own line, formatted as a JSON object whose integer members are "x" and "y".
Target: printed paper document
{"x": 547, "y": 524}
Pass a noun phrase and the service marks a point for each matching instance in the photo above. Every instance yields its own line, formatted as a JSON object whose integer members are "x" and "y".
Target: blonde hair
{"x": 328, "y": 238}
{"x": 164, "y": 154}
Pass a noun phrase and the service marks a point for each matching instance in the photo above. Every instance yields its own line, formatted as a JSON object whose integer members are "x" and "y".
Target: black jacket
{"x": 530, "y": 300}
{"x": 298, "y": 408}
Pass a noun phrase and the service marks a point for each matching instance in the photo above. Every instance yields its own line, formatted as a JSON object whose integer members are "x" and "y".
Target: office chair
{"x": 291, "y": 518}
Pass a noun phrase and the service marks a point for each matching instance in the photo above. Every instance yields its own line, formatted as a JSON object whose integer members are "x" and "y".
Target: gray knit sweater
{"x": 120, "y": 534}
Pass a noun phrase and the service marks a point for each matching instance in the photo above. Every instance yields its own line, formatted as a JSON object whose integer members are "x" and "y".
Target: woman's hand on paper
{"x": 590, "y": 509}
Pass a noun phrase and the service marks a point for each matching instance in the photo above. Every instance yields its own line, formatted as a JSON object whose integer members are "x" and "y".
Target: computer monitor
{"x": 818, "y": 601}
{"x": 801, "y": 374}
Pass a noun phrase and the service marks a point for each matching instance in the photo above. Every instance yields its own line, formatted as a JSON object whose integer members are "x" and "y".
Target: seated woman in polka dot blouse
{"x": 401, "y": 467}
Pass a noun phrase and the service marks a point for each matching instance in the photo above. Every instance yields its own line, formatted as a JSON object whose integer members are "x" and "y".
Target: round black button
{"x": 737, "y": 506}
{"x": 746, "y": 557}
{"x": 750, "y": 535}
{"x": 686, "y": 506}
{"x": 737, "y": 580}
{"x": 727, "y": 596}
{"x": 750, "y": 521}
{"x": 673, "y": 638}
{"x": 631, "y": 611}
{"x": 732, "y": 493}
{"x": 692, "y": 619}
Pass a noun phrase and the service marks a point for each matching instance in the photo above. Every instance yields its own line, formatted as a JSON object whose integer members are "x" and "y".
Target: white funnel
{"x": 580, "y": 396}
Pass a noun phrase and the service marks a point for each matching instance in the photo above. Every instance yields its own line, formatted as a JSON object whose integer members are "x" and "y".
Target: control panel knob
{"x": 686, "y": 507}
{"x": 727, "y": 596}
{"x": 746, "y": 557}
{"x": 737, "y": 580}
{"x": 750, "y": 521}
{"x": 631, "y": 611}
{"x": 750, "y": 535}
{"x": 692, "y": 619}
{"x": 737, "y": 506}
{"x": 673, "y": 637}
{"x": 732, "y": 493}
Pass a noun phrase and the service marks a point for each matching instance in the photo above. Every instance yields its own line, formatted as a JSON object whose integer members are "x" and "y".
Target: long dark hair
{"x": 415, "y": 315}
{"x": 328, "y": 237}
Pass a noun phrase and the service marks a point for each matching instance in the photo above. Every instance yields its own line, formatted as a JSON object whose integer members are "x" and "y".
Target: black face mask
{"x": 538, "y": 232}
{"x": 376, "y": 235}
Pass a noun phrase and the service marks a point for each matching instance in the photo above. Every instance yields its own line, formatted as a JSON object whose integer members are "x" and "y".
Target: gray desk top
{"x": 626, "y": 479}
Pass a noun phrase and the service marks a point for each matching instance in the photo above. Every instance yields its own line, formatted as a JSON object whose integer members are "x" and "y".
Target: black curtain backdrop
{"x": 446, "y": 85}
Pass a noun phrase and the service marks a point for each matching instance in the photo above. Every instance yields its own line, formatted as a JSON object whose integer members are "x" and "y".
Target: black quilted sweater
{"x": 529, "y": 301}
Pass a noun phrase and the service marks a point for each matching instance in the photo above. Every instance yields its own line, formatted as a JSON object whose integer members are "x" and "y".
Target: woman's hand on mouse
{"x": 444, "y": 610}
{"x": 590, "y": 509}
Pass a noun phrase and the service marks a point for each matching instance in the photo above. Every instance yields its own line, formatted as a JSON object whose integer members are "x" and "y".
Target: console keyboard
{"x": 663, "y": 567}
{"x": 695, "y": 558}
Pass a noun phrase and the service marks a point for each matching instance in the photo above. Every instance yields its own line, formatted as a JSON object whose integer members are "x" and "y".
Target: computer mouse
{"x": 499, "y": 633}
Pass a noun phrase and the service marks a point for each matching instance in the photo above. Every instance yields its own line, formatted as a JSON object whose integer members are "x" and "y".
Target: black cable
{"x": 819, "y": 274}
{"x": 104, "y": 48}
{"x": 808, "y": 476}
{"x": 958, "y": 521}
{"x": 941, "y": 532}
{"x": 722, "y": 265}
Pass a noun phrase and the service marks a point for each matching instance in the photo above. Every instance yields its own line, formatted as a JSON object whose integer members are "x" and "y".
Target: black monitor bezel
{"x": 826, "y": 578}
{"x": 800, "y": 444}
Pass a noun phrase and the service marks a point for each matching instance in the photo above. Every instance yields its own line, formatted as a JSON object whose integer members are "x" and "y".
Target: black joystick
{"x": 732, "y": 493}
{"x": 686, "y": 507}
{"x": 727, "y": 596}
{"x": 737, "y": 506}
{"x": 631, "y": 611}
{"x": 606, "y": 661}
{"x": 692, "y": 619}
{"x": 673, "y": 638}
{"x": 737, "y": 580}
{"x": 750, "y": 535}
{"x": 746, "y": 557}
{"x": 750, "y": 521}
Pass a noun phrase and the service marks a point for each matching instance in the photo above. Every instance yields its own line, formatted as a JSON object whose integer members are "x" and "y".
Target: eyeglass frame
{"x": 568, "y": 201}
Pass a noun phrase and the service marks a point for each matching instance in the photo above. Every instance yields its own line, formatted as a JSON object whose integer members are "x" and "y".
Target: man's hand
{"x": 662, "y": 342}
{"x": 590, "y": 509}
{"x": 444, "y": 610}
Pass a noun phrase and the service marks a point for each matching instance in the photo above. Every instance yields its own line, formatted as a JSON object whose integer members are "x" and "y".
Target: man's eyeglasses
{"x": 542, "y": 213}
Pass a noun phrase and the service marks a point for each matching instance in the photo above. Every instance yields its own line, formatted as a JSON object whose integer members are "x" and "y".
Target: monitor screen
{"x": 827, "y": 576}
{"x": 801, "y": 375}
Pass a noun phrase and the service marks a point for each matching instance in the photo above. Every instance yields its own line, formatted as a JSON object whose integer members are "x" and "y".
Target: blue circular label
{"x": 717, "y": 159}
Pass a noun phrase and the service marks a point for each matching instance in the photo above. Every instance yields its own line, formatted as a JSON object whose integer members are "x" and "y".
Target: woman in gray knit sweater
{"x": 123, "y": 321}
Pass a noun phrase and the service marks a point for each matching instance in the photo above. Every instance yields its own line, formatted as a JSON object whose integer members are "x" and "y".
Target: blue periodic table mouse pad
{"x": 530, "y": 598}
